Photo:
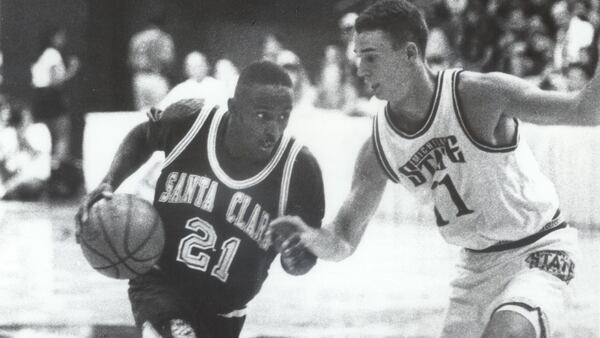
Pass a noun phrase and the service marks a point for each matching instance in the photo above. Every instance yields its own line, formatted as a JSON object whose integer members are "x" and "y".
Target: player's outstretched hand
{"x": 283, "y": 228}
{"x": 104, "y": 190}
{"x": 295, "y": 258}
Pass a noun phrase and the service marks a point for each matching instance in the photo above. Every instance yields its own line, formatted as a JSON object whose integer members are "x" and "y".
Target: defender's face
{"x": 383, "y": 67}
{"x": 263, "y": 112}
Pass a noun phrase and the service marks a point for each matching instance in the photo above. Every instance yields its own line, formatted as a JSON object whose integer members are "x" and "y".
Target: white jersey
{"x": 483, "y": 195}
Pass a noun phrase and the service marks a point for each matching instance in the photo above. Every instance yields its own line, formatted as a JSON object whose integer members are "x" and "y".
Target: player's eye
{"x": 260, "y": 115}
{"x": 283, "y": 117}
{"x": 370, "y": 58}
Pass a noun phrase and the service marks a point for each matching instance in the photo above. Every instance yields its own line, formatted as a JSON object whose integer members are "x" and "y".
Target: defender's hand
{"x": 104, "y": 190}
{"x": 284, "y": 227}
{"x": 295, "y": 258}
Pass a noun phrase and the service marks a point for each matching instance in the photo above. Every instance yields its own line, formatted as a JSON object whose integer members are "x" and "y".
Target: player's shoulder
{"x": 486, "y": 89}
{"x": 305, "y": 160}
{"x": 486, "y": 83}
{"x": 182, "y": 110}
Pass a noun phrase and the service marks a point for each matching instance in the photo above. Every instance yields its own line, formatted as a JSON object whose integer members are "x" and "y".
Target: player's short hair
{"x": 401, "y": 19}
{"x": 265, "y": 73}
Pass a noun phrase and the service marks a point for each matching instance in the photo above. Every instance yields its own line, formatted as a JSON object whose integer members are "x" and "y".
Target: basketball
{"x": 123, "y": 237}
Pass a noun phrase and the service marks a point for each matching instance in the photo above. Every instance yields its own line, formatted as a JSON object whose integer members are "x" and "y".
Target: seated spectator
{"x": 199, "y": 83}
{"x": 573, "y": 34}
{"x": 438, "y": 52}
{"x": 25, "y": 149}
{"x": 227, "y": 73}
{"x": 576, "y": 76}
{"x": 331, "y": 87}
{"x": 304, "y": 93}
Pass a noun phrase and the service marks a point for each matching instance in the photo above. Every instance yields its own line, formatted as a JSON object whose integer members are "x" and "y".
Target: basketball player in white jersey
{"x": 454, "y": 137}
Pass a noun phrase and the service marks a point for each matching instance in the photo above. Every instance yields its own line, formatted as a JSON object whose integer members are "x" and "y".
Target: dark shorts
{"x": 48, "y": 103}
{"x": 153, "y": 299}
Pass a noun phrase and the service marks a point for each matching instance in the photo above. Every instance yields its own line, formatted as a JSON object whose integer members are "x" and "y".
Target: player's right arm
{"x": 340, "y": 238}
{"x": 133, "y": 151}
{"x": 138, "y": 146}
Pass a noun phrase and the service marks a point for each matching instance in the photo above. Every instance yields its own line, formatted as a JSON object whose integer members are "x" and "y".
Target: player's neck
{"x": 412, "y": 108}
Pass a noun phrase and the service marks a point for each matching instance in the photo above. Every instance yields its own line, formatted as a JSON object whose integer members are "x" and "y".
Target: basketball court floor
{"x": 396, "y": 285}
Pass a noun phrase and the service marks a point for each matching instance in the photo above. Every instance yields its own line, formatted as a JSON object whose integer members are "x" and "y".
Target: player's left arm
{"x": 306, "y": 199}
{"x": 526, "y": 101}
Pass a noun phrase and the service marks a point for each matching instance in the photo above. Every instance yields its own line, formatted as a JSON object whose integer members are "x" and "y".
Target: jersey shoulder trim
{"x": 222, "y": 175}
{"x": 433, "y": 107}
{"x": 205, "y": 112}
{"x": 459, "y": 115}
{"x": 380, "y": 153}
{"x": 287, "y": 176}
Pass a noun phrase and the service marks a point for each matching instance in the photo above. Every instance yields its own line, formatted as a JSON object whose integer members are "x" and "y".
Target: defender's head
{"x": 391, "y": 37}
{"x": 260, "y": 108}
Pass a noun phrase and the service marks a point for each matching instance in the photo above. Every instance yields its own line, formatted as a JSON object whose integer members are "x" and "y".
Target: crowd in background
{"x": 550, "y": 42}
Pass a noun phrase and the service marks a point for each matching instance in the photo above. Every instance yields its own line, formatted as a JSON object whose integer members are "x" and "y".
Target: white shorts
{"x": 531, "y": 280}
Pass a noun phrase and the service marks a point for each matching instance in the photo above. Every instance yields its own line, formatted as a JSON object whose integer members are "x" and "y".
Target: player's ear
{"x": 412, "y": 51}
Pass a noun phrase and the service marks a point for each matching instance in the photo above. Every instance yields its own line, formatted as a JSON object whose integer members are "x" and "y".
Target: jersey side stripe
{"x": 222, "y": 175}
{"x": 185, "y": 141}
{"x": 287, "y": 177}
{"x": 381, "y": 155}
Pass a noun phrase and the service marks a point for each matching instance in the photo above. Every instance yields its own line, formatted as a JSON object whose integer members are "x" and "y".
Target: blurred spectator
{"x": 438, "y": 51}
{"x": 151, "y": 57}
{"x": 346, "y": 26}
{"x": 1, "y": 68}
{"x": 25, "y": 148}
{"x": 199, "y": 83}
{"x": 517, "y": 62}
{"x": 331, "y": 92}
{"x": 272, "y": 46}
{"x": 479, "y": 32}
{"x": 227, "y": 73}
{"x": 356, "y": 92}
{"x": 49, "y": 74}
{"x": 539, "y": 46}
{"x": 577, "y": 76}
{"x": 304, "y": 92}
{"x": 573, "y": 32}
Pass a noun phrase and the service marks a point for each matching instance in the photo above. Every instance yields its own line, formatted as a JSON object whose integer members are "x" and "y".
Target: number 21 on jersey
{"x": 192, "y": 247}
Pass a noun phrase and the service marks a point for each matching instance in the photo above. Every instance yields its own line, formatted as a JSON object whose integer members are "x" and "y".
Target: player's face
{"x": 384, "y": 68}
{"x": 263, "y": 112}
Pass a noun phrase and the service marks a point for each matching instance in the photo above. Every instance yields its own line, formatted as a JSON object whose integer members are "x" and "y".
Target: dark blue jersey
{"x": 215, "y": 215}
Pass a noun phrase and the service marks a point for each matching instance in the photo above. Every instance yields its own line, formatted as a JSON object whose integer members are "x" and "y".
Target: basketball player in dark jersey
{"x": 226, "y": 174}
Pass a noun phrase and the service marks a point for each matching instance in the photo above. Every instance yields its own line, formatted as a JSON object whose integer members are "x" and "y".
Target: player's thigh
{"x": 535, "y": 296}
{"x": 156, "y": 301}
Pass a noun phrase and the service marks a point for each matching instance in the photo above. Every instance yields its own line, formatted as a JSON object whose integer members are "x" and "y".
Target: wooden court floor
{"x": 396, "y": 285}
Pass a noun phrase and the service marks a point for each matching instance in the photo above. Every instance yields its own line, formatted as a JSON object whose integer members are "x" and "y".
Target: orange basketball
{"x": 123, "y": 237}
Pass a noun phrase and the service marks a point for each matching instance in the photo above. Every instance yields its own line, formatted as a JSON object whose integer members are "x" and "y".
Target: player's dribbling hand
{"x": 295, "y": 258}
{"x": 104, "y": 190}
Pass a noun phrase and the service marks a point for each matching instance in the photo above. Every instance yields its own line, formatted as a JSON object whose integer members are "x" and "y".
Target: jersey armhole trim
{"x": 189, "y": 136}
{"x": 380, "y": 154}
{"x": 529, "y": 308}
{"x": 480, "y": 145}
{"x": 286, "y": 178}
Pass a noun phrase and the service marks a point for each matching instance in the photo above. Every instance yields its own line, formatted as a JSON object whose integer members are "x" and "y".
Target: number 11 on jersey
{"x": 456, "y": 199}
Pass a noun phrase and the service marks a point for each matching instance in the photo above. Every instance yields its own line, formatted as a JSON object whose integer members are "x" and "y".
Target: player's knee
{"x": 514, "y": 322}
